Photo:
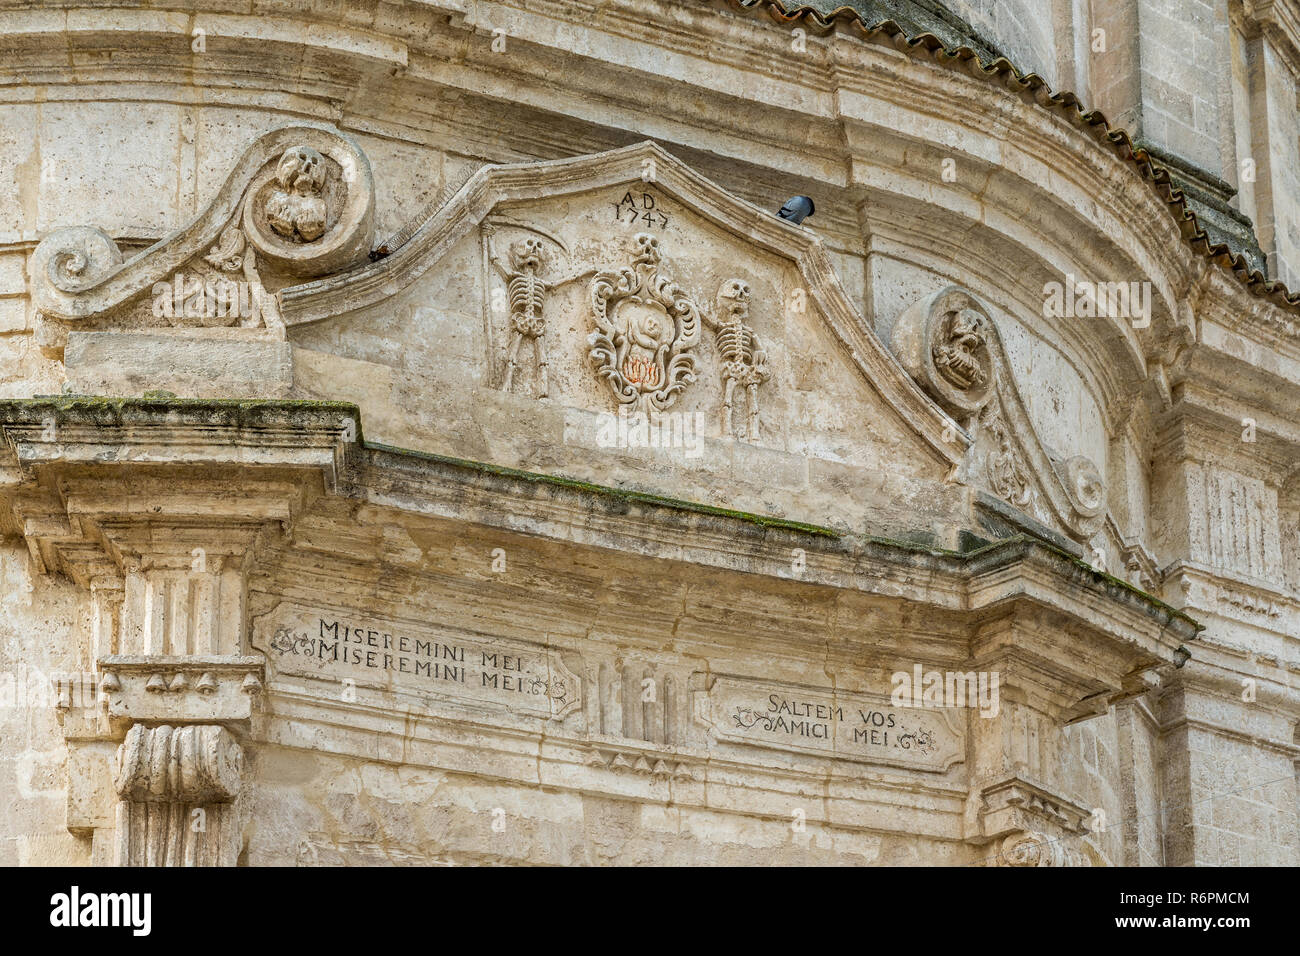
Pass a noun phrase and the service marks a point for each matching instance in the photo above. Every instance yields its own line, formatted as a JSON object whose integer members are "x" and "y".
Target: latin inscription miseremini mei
{"x": 525, "y": 678}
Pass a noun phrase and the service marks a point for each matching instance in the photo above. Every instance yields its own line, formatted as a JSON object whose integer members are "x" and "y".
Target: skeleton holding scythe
{"x": 526, "y": 293}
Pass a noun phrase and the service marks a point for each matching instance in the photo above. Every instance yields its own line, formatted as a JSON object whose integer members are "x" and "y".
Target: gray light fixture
{"x": 797, "y": 209}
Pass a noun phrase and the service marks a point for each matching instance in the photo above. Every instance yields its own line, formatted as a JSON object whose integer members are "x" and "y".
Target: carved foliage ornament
{"x": 1006, "y": 474}
{"x": 647, "y": 329}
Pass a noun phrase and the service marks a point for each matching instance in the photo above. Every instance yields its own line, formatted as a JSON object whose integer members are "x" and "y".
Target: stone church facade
{"x": 424, "y": 443}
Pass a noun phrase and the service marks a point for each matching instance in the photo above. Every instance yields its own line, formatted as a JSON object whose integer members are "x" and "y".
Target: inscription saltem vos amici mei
{"x": 859, "y": 727}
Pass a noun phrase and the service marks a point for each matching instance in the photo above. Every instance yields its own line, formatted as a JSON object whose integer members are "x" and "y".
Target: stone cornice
{"x": 1280, "y": 21}
{"x": 115, "y": 443}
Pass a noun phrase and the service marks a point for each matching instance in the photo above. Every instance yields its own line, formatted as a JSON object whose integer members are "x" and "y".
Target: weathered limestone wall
{"x": 121, "y": 122}
{"x": 40, "y": 619}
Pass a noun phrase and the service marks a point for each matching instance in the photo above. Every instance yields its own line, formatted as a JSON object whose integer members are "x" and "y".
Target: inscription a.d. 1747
{"x": 526, "y": 678}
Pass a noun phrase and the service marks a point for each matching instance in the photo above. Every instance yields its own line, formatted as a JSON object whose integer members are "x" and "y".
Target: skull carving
{"x": 296, "y": 209}
{"x": 526, "y": 254}
{"x": 647, "y": 249}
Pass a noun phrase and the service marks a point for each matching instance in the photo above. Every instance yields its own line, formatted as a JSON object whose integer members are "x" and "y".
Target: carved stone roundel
{"x": 943, "y": 342}
{"x": 1085, "y": 485}
{"x": 311, "y": 210}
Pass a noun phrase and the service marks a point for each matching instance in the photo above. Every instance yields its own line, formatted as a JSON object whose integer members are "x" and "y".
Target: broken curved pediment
{"x": 299, "y": 203}
{"x": 951, "y": 346}
{"x": 622, "y": 279}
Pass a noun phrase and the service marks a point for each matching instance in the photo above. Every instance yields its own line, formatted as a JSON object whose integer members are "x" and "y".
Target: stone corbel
{"x": 1015, "y": 802}
{"x": 1009, "y": 795}
{"x": 177, "y": 789}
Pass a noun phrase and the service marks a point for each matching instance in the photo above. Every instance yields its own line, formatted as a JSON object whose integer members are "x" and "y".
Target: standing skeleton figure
{"x": 743, "y": 357}
{"x": 527, "y": 295}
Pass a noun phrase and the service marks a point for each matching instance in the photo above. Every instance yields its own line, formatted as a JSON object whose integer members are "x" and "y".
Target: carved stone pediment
{"x": 625, "y": 281}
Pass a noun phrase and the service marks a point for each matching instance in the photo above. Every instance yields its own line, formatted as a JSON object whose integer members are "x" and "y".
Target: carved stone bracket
{"x": 108, "y": 494}
{"x": 177, "y": 786}
{"x": 1028, "y": 825}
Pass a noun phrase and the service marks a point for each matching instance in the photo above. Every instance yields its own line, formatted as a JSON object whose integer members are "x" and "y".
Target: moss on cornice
{"x": 162, "y": 409}
{"x": 606, "y": 491}
{"x": 98, "y": 409}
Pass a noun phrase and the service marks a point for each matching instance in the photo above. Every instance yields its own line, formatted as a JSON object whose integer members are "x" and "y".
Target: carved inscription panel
{"x": 858, "y": 727}
{"x": 529, "y": 679}
{"x": 523, "y": 678}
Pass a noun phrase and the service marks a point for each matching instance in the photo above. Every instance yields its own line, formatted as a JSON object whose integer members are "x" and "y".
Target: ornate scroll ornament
{"x": 951, "y": 346}
{"x": 1005, "y": 473}
{"x": 312, "y": 211}
{"x": 301, "y": 198}
{"x": 743, "y": 357}
{"x": 647, "y": 328}
{"x": 223, "y": 288}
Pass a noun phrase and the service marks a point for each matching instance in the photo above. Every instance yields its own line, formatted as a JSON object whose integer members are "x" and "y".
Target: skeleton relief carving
{"x": 744, "y": 361}
{"x": 526, "y": 291}
{"x": 647, "y": 329}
